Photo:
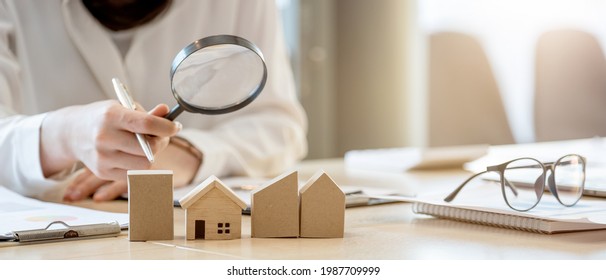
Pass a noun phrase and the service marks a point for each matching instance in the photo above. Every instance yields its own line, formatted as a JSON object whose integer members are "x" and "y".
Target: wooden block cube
{"x": 150, "y": 205}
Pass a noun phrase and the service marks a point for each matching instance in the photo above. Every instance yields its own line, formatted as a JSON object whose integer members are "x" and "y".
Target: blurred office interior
{"x": 397, "y": 73}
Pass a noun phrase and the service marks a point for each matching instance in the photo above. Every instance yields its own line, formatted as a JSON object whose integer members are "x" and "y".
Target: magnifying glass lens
{"x": 219, "y": 76}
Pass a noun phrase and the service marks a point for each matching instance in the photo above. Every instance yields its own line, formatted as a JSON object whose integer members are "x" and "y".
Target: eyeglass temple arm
{"x": 549, "y": 163}
{"x": 527, "y": 166}
{"x": 511, "y": 187}
{"x": 454, "y": 193}
{"x": 546, "y": 164}
{"x": 551, "y": 182}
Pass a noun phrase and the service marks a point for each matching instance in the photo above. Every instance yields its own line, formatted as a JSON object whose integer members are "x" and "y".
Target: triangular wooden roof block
{"x": 322, "y": 208}
{"x": 322, "y": 177}
{"x": 288, "y": 178}
{"x": 203, "y": 188}
{"x": 275, "y": 207}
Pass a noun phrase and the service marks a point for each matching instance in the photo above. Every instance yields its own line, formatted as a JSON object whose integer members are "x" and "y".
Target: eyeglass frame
{"x": 550, "y": 182}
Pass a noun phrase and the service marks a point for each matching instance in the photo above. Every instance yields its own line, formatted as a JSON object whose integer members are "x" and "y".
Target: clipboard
{"x": 27, "y": 220}
{"x": 64, "y": 233}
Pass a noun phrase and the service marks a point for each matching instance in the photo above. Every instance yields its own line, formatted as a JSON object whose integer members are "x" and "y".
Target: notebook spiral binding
{"x": 528, "y": 224}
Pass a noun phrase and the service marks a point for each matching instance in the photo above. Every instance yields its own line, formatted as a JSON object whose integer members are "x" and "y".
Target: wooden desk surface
{"x": 380, "y": 232}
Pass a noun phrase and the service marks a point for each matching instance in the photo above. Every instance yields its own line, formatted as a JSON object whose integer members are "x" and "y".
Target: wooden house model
{"x": 322, "y": 208}
{"x": 275, "y": 208}
{"x": 212, "y": 211}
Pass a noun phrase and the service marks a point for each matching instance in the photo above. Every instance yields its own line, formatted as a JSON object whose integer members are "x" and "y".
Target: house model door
{"x": 200, "y": 228}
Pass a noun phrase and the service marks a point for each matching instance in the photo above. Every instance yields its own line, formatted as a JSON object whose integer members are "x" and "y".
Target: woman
{"x": 58, "y": 108}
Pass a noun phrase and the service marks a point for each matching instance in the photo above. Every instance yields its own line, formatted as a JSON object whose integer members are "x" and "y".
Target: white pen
{"x": 127, "y": 101}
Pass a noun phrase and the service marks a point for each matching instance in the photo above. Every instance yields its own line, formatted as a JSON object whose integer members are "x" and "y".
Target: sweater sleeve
{"x": 20, "y": 149}
{"x": 20, "y": 170}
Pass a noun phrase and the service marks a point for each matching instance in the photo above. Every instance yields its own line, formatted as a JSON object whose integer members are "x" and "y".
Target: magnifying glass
{"x": 216, "y": 75}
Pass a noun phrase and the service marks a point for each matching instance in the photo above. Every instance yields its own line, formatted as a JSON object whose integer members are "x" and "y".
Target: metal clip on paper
{"x": 68, "y": 233}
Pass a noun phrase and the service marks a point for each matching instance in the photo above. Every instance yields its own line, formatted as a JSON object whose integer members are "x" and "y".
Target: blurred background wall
{"x": 379, "y": 74}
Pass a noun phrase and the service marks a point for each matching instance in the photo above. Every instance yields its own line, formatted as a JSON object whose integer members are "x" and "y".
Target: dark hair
{"x": 125, "y": 14}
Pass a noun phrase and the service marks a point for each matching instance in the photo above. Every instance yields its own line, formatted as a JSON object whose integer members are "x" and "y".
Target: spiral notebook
{"x": 486, "y": 206}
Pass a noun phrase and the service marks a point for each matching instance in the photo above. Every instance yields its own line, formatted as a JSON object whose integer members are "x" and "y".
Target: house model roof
{"x": 208, "y": 184}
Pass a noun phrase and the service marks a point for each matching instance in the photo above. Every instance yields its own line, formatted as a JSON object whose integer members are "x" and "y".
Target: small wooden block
{"x": 150, "y": 205}
{"x": 322, "y": 208}
{"x": 212, "y": 211}
{"x": 275, "y": 208}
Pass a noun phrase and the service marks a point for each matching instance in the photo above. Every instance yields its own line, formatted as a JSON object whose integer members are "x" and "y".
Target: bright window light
{"x": 508, "y": 31}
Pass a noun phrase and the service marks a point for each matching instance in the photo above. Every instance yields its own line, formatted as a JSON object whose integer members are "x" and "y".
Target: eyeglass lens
{"x": 569, "y": 179}
{"x": 523, "y": 183}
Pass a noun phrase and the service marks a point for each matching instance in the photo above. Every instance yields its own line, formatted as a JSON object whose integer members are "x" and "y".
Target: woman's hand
{"x": 183, "y": 163}
{"x": 101, "y": 135}
{"x": 87, "y": 184}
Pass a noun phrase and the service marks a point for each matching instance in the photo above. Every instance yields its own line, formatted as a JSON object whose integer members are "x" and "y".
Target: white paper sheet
{"x": 403, "y": 159}
{"x": 21, "y": 213}
{"x": 243, "y": 186}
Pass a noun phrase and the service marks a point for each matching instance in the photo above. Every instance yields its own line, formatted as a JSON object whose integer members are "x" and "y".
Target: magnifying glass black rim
{"x": 213, "y": 41}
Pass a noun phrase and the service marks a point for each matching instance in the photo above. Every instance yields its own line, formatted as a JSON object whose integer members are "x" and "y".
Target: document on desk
{"x": 593, "y": 149}
{"x": 19, "y": 213}
{"x": 243, "y": 186}
{"x": 413, "y": 158}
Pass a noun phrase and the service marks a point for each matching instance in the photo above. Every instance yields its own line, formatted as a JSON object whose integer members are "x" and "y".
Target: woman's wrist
{"x": 181, "y": 157}
{"x": 186, "y": 146}
{"x": 55, "y": 154}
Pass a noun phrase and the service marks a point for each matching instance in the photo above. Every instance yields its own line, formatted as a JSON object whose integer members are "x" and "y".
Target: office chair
{"x": 570, "y": 88}
{"x": 465, "y": 105}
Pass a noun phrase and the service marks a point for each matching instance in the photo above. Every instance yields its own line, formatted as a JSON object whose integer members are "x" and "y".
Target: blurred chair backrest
{"x": 465, "y": 106}
{"x": 570, "y": 86}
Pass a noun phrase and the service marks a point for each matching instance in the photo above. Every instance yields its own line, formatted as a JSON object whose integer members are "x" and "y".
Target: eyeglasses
{"x": 523, "y": 181}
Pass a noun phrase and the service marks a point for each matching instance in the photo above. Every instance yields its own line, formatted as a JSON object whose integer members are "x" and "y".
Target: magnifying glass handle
{"x": 174, "y": 113}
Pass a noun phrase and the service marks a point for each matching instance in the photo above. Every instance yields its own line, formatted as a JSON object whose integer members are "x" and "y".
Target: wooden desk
{"x": 389, "y": 231}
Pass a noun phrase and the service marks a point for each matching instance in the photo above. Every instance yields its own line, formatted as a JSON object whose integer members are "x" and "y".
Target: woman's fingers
{"x": 84, "y": 185}
{"x": 111, "y": 191}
